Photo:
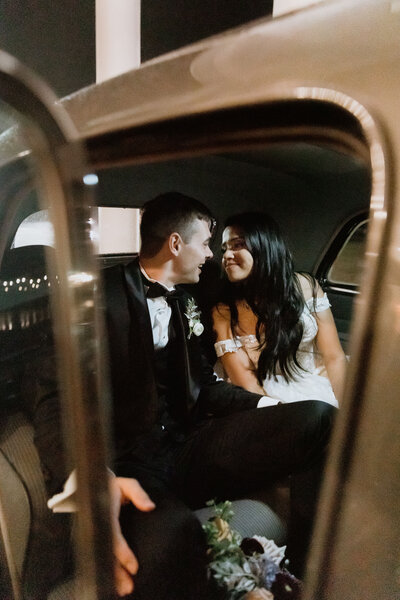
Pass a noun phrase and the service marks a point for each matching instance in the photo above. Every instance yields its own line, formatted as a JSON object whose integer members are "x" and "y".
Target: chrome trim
{"x": 78, "y": 328}
{"x": 320, "y": 568}
{"x": 343, "y": 290}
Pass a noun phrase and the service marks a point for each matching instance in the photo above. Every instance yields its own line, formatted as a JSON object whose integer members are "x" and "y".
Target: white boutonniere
{"x": 193, "y": 316}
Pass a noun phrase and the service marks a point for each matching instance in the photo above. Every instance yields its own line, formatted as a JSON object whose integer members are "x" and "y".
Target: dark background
{"x": 56, "y": 38}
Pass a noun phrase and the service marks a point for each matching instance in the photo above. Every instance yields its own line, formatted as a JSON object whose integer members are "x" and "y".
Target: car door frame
{"x": 60, "y": 162}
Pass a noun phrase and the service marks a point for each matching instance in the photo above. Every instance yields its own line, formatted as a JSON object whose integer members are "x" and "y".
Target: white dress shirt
{"x": 160, "y": 315}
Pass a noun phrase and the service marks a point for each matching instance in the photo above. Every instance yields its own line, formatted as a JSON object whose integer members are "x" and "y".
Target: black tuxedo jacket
{"x": 131, "y": 356}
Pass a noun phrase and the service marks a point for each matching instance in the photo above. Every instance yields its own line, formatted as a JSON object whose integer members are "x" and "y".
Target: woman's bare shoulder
{"x": 306, "y": 286}
{"x": 309, "y": 286}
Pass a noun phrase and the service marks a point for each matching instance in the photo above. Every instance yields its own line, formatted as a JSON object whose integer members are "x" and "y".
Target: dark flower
{"x": 286, "y": 586}
{"x": 251, "y": 546}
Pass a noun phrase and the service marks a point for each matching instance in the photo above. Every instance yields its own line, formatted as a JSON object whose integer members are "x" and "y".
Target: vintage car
{"x": 297, "y": 116}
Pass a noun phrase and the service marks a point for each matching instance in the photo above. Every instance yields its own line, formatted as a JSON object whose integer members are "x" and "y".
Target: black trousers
{"x": 226, "y": 458}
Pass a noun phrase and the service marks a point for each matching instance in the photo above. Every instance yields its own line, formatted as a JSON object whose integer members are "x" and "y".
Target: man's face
{"x": 194, "y": 253}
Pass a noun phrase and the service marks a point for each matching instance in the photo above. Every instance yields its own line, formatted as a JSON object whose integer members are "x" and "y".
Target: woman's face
{"x": 236, "y": 260}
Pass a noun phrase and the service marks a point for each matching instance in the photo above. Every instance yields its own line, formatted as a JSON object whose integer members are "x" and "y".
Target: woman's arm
{"x": 237, "y": 365}
{"x": 331, "y": 350}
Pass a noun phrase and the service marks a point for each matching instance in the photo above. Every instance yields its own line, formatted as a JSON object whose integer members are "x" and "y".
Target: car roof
{"x": 350, "y": 46}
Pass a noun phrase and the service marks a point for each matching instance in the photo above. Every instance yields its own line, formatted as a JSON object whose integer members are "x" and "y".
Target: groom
{"x": 182, "y": 434}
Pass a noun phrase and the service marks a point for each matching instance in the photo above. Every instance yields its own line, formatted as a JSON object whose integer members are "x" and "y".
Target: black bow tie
{"x": 156, "y": 290}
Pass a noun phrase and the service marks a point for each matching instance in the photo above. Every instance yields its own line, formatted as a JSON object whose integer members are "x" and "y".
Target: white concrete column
{"x": 117, "y": 37}
{"x": 118, "y": 230}
{"x": 285, "y": 6}
{"x": 117, "y": 51}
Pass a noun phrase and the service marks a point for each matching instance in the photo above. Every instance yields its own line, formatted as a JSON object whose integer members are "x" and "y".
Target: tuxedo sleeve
{"x": 219, "y": 398}
{"x": 42, "y": 403}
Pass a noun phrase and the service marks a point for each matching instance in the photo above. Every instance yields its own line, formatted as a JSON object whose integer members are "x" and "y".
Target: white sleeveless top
{"x": 310, "y": 384}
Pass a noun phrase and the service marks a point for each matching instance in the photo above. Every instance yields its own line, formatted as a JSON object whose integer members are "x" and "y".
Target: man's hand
{"x": 124, "y": 490}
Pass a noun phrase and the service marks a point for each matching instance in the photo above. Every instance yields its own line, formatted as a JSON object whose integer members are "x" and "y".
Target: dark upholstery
{"x": 36, "y": 535}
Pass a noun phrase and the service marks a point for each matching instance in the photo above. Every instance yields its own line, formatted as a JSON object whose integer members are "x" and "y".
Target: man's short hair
{"x": 168, "y": 213}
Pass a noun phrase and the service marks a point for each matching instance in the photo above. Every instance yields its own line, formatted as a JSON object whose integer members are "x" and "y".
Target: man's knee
{"x": 321, "y": 414}
{"x": 318, "y": 423}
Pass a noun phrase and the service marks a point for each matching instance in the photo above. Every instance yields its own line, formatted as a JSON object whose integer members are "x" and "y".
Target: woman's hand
{"x": 238, "y": 365}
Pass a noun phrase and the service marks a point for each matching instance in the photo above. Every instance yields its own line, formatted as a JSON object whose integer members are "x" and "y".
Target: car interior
{"x": 318, "y": 189}
{"x": 295, "y": 116}
{"x": 317, "y": 194}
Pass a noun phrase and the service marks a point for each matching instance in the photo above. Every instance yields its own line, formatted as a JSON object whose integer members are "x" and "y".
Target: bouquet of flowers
{"x": 248, "y": 568}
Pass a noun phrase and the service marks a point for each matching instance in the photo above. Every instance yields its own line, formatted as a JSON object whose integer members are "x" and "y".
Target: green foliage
{"x": 228, "y": 563}
{"x": 240, "y": 566}
{"x": 223, "y": 510}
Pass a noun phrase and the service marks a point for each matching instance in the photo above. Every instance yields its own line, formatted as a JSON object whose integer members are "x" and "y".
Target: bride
{"x": 275, "y": 331}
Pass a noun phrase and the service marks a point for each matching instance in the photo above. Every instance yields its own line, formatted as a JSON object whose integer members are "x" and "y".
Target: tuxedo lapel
{"x": 182, "y": 363}
{"x": 142, "y": 336}
{"x": 138, "y": 309}
{"x": 190, "y": 352}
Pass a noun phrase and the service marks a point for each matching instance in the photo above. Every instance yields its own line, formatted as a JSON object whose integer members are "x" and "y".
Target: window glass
{"x": 37, "y": 229}
{"x": 47, "y": 326}
{"x": 347, "y": 267}
{"x": 33, "y": 454}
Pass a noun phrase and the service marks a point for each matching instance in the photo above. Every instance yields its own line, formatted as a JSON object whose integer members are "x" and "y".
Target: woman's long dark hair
{"x": 273, "y": 292}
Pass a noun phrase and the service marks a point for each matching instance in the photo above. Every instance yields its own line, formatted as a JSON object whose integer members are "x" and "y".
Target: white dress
{"x": 310, "y": 384}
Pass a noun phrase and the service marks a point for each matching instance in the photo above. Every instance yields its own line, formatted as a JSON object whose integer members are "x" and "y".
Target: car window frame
{"x": 303, "y": 114}
{"x": 340, "y": 239}
{"x": 59, "y": 157}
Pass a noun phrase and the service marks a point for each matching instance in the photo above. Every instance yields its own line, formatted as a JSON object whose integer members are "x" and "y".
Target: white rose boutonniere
{"x": 193, "y": 316}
